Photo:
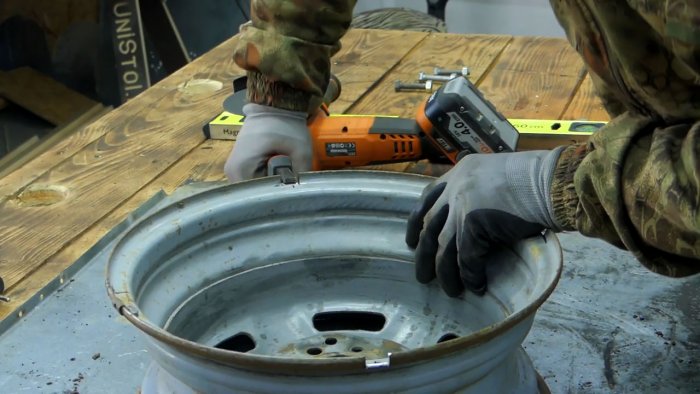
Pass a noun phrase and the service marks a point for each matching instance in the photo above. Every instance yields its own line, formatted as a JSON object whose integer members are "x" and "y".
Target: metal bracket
{"x": 129, "y": 309}
{"x": 379, "y": 363}
{"x": 282, "y": 166}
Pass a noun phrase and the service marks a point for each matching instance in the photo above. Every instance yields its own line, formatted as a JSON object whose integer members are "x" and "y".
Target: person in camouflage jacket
{"x": 634, "y": 184}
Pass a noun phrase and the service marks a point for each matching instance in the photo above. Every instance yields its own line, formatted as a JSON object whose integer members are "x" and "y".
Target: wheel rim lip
{"x": 124, "y": 303}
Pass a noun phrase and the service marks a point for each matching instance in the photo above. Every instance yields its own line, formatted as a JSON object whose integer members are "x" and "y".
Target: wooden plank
{"x": 362, "y": 62}
{"x": 17, "y": 153}
{"x": 202, "y": 164}
{"x": 535, "y": 77}
{"x": 61, "y": 150}
{"x": 42, "y": 95}
{"x": 586, "y": 105}
{"x": 140, "y": 143}
{"x": 445, "y": 50}
{"x": 52, "y": 139}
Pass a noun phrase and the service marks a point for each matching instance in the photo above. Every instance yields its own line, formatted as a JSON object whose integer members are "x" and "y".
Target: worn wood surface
{"x": 447, "y": 51}
{"x": 533, "y": 78}
{"x": 585, "y": 105}
{"x": 95, "y": 178}
{"x": 63, "y": 149}
{"x": 366, "y": 60}
{"x": 51, "y": 140}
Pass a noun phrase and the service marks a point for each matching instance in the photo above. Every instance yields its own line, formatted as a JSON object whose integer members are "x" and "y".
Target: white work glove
{"x": 267, "y": 132}
{"x": 484, "y": 202}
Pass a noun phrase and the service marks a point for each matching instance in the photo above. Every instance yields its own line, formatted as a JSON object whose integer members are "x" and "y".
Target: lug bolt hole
{"x": 356, "y": 349}
{"x": 241, "y": 342}
{"x": 314, "y": 351}
{"x": 447, "y": 337}
{"x": 331, "y": 341}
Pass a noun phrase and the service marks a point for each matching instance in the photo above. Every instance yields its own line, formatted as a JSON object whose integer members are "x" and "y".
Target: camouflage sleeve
{"x": 636, "y": 186}
{"x": 636, "y": 183}
{"x": 286, "y": 49}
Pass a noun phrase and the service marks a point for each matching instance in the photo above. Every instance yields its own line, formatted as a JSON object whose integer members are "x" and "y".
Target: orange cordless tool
{"x": 455, "y": 120}
{"x": 349, "y": 141}
{"x": 341, "y": 141}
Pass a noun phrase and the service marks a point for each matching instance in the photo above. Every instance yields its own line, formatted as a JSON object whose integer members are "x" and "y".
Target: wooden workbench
{"x": 63, "y": 202}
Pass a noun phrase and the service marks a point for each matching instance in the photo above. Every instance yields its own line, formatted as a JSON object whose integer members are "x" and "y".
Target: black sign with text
{"x": 129, "y": 48}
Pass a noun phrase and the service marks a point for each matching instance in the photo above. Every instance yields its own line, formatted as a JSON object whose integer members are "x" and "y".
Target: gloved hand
{"x": 266, "y": 132}
{"x": 485, "y": 201}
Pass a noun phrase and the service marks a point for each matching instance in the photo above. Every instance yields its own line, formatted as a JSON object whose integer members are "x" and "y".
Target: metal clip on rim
{"x": 282, "y": 166}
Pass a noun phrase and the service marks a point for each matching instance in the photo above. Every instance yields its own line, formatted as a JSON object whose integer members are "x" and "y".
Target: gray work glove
{"x": 266, "y": 132}
{"x": 484, "y": 202}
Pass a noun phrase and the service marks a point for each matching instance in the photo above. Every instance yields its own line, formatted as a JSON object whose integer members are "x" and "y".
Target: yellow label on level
{"x": 227, "y": 119}
{"x": 568, "y": 127}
